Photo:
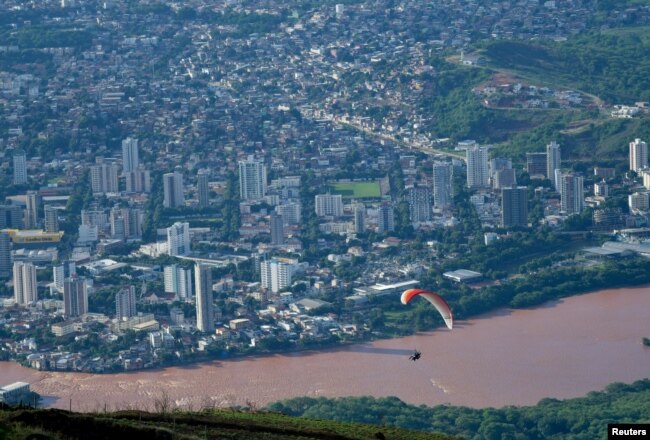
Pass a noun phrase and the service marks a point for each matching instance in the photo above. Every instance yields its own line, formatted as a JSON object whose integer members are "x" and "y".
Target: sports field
{"x": 356, "y": 190}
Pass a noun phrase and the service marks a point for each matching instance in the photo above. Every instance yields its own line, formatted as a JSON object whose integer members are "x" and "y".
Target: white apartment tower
{"x": 61, "y": 272}
{"x": 125, "y": 303}
{"x": 20, "y": 167}
{"x": 329, "y": 204}
{"x": 442, "y": 184}
{"x": 179, "y": 281}
{"x": 252, "y": 179}
{"x": 359, "y": 213}
{"x": 572, "y": 193}
{"x": 103, "y": 178}
{"x": 419, "y": 199}
{"x": 478, "y": 175}
{"x": 173, "y": 190}
{"x": 276, "y": 273}
{"x": 25, "y": 287}
{"x": 130, "y": 157}
{"x": 638, "y": 155}
{"x": 553, "y": 163}
{"x": 204, "y": 298}
{"x": 178, "y": 239}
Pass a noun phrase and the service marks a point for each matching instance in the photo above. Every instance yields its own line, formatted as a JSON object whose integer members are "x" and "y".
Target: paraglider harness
{"x": 415, "y": 356}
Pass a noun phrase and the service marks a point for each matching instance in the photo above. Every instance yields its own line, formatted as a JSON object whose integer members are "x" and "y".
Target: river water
{"x": 562, "y": 349}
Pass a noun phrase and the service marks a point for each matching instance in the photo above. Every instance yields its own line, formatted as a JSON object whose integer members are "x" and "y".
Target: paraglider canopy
{"x": 435, "y": 299}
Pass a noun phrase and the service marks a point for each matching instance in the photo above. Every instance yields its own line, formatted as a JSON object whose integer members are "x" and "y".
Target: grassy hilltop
{"x": 222, "y": 424}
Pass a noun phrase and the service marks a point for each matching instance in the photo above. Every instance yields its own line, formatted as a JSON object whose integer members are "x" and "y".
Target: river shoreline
{"x": 561, "y": 349}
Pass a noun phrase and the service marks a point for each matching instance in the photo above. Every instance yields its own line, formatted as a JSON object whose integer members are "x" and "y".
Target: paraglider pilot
{"x": 415, "y": 356}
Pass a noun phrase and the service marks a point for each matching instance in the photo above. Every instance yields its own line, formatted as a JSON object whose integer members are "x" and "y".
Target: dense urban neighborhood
{"x": 225, "y": 178}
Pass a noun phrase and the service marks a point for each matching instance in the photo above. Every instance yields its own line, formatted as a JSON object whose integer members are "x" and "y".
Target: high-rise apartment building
{"x": 173, "y": 190}
{"x": 125, "y": 303}
{"x": 329, "y": 204}
{"x": 204, "y": 298}
{"x": 32, "y": 202}
{"x": 5, "y": 255}
{"x": 203, "y": 190}
{"x": 514, "y": 206}
{"x": 11, "y": 217}
{"x": 252, "y": 179}
{"x": 276, "y": 273}
{"x": 61, "y": 272}
{"x": 138, "y": 181}
{"x": 20, "y": 167}
{"x": 178, "y": 280}
{"x": 572, "y": 193}
{"x": 51, "y": 219}
{"x": 75, "y": 297}
{"x": 638, "y": 155}
{"x": 277, "y": 229}
{"x": 290, "y": 212}
{"x": 442, "y": 184}
{"x": 419, "y": 200}
{"x": 178, "y": 239}
{"x": 385, "y": 218}
{"x": 25, "y": 286}
{"x": 536, "y": 164}
{"x": 553, "y": 163}
{"x": 359, "y": 214}
{"x": 504, "y": 178}
{"x": 477, "y": 167}
{"x": 130, "y": 155}
{"x": 104, "y": 178}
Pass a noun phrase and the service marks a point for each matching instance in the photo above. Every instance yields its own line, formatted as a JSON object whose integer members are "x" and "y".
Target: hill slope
{"x": 58, "y": 424}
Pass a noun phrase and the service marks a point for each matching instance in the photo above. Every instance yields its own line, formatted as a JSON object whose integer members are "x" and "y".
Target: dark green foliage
{"x": 164, "y": 424}
{"x": 581, "y": 418}
{"x": 612, "y": 65}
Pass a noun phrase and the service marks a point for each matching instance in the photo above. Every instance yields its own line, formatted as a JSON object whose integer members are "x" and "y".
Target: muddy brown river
{"x": 561, "y": 349}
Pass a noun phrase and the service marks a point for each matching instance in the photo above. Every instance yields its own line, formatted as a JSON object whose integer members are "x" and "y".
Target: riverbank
{"x": 562, "y": 349}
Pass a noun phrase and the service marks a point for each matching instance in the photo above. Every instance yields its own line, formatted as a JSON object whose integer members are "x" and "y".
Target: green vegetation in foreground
{"x": 222, "y": 424}
{"x": 582, "y": 418}
{"x": 357, "y": 190}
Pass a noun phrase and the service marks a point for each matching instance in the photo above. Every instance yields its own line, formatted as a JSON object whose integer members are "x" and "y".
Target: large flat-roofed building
{"x": 15, "y": 393}
{"x": 386, "y": 289}
{"x": 463, "y": 275}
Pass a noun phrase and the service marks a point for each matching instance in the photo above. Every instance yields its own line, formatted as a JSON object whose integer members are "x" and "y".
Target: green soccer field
{"x": 358, "y": 190}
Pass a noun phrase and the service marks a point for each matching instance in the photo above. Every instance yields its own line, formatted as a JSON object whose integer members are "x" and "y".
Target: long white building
{"x": 329, "y": 204}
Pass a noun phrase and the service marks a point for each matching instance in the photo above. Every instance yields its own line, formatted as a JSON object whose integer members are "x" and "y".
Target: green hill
{"x": 583, "y": 418}
{"x": 221, "y": 424}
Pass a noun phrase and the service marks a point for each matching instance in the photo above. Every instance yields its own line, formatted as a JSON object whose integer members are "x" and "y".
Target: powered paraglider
{"x": 435, "y": 299}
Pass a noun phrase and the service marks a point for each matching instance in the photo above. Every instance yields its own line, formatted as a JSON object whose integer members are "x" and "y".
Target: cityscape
{"x": 204, "y": 180}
